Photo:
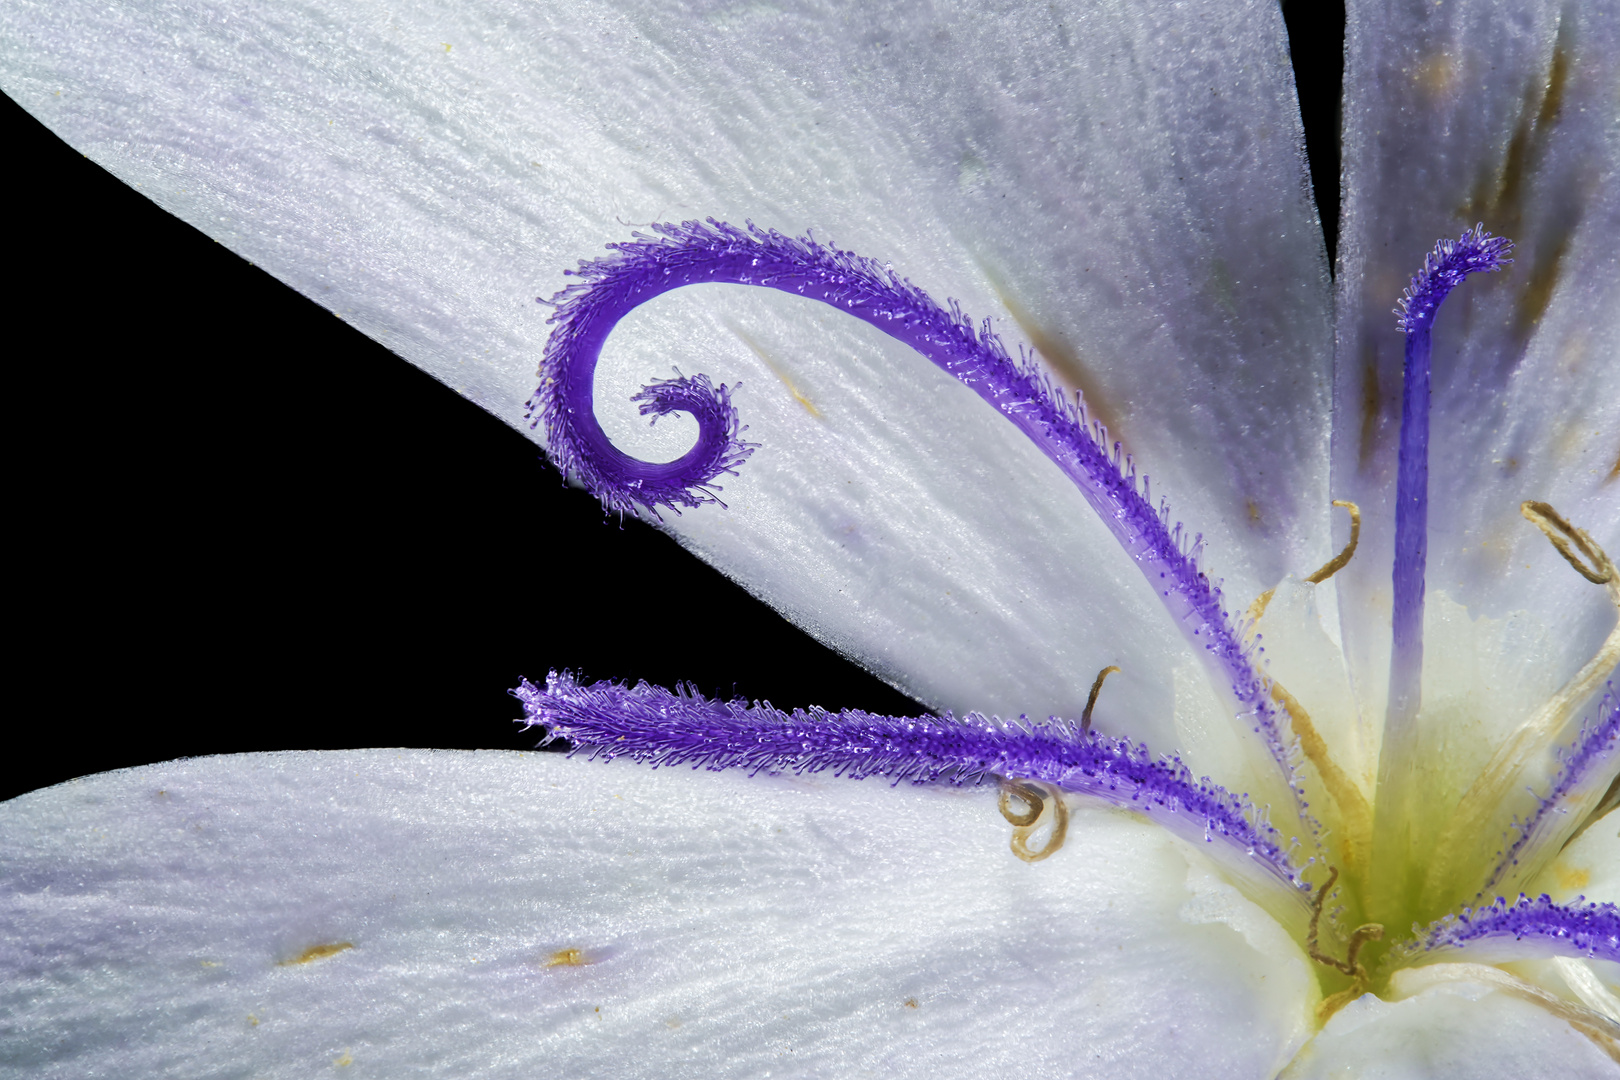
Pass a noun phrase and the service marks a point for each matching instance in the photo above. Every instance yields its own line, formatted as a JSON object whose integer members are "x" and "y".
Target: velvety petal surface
{"x": 1589, "y": 867}
{"x": 414, "y": 913}
{"x": 1120, "y": 185}
{"x": 1500, "y": 112}
{"x": 1459, "y": 1031}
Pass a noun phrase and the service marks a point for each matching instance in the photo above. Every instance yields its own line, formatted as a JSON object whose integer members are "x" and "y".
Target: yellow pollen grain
{"x": 567, "y": 958}
{"x": 1573, "y": 878}
{"x": 317, "y": 952}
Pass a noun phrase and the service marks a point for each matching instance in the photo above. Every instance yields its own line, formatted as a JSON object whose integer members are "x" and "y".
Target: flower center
{"x": 1397, "y": 869}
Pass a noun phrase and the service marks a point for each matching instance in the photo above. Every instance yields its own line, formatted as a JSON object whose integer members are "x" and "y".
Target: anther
{"x": 1568, "y": 540}
{"x": 1038, "y": 797}
{"x": 1091, "y": 701}
{"x": 1031, "y": 798}
{"x": 1327, "y": 570}
{"x": 1360, "y": 936}
{"x": 1506, "y": 770}
{"x": 1342, "y": 559}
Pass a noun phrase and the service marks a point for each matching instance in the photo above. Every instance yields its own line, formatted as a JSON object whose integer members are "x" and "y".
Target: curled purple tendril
{"x": 1526, "y": 928}
{"x": 658, "y": 727}
{"x": 1444, "y": 268}
{"x": 694, "y": 252}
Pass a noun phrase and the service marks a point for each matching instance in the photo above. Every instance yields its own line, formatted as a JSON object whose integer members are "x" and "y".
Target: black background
{"x": 377, "y": 574}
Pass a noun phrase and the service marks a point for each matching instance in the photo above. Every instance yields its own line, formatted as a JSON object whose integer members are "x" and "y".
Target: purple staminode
{"x": 1582, "y": 764}
{"x": 1527, "y": 928}
{"x": 1444, "y": 269}
{"x": 660, "y": 727}
{"x": 694, "y": 252}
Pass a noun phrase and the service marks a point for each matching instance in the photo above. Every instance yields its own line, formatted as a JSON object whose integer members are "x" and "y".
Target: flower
{"x": 1122, "y": 184}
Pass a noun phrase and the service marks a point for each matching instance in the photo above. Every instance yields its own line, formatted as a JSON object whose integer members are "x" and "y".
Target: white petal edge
{"x": 151, "y": 920}
{"x": 1455, "y": 1031}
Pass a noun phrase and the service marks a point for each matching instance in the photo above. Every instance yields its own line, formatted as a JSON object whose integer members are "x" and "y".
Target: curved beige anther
{"x": 1327, "y": 569}
{"x": 1602, "y": 1030}
{"x": 1342, "y": 559}
{"x": 1041, "y": 798}
{"x": 1535, "y": 739}
{"x": 1355, "y": 813}
{"x": 1568, "y": 540}
{"x": 1351, "y": 965}
{"x": 1091, "y": 702}
{"x": 1024, "y": 793}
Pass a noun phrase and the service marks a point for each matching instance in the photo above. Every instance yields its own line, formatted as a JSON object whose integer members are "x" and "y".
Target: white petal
{"x": 1589, "y": 867}
{"x": 1459, "y": 1030}
{"x": 151, "y": 922}
{"x": 1501, "y": 112}
{"x": 1127, "y": 176}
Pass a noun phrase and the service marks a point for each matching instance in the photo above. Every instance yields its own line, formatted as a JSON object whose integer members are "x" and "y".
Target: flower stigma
{"x": 1391, "y": 876}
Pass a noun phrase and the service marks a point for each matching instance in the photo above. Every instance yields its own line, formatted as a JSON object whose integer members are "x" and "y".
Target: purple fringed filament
{"x": 659, "y": 727}
{"x": 1587, "y": 764}
{"x": 1526, "y": 929}
{"x": 1444, "y": 269}
{"x": 694, "y": 252}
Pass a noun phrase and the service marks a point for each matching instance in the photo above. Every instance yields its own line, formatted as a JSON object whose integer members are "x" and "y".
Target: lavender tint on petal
{"x": 1526, "y": 929}
{"x": 1444, "y": 269}
{"x": 655, "y": 726}
{"x": 694, "y": 252}
{"x": 1583, "y": 763}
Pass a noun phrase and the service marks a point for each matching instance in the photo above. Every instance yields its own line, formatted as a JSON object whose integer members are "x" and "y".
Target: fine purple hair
{"x": 1582, "y": 765}
{"x": 1444, "y": 268}
{"x": 659, "y": 727}
{"x": 694, "y": 252}
{"x": 1525, "y": 929}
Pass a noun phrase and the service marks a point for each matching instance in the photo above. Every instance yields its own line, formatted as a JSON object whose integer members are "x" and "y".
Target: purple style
{"x": 694, "y": 252}
{"x": 1444, "y": 269}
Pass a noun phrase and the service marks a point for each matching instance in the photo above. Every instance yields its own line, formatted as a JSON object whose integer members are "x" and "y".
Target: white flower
{"x": 1120, "y": 185}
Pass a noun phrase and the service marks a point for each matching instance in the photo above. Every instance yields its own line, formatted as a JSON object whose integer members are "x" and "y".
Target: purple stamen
{"x": 1528, "y": 929}
{"x": 1444, "y": 268}
{"x": 693, "y": 252}
{"x": 657, "y": 727}
{"x": 1583, "y": 769}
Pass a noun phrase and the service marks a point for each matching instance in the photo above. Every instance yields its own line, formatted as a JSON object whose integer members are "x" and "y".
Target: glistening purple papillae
{"x": 1502, "y": 929}
{"x": 1598, "y": 742}
{"x": 694, "y": 252}
{"x": 659, "y": 727}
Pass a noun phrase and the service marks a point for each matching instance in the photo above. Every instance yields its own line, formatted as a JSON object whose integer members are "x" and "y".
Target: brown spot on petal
{"x": 1538, "y": 290}
{"x": 567, "y": 958}
{"x": 1573, "y": 878}
{"x": 1064, "y": 361}
{"x": 317, "y": 952}
{"x": 1371, "y": 407}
